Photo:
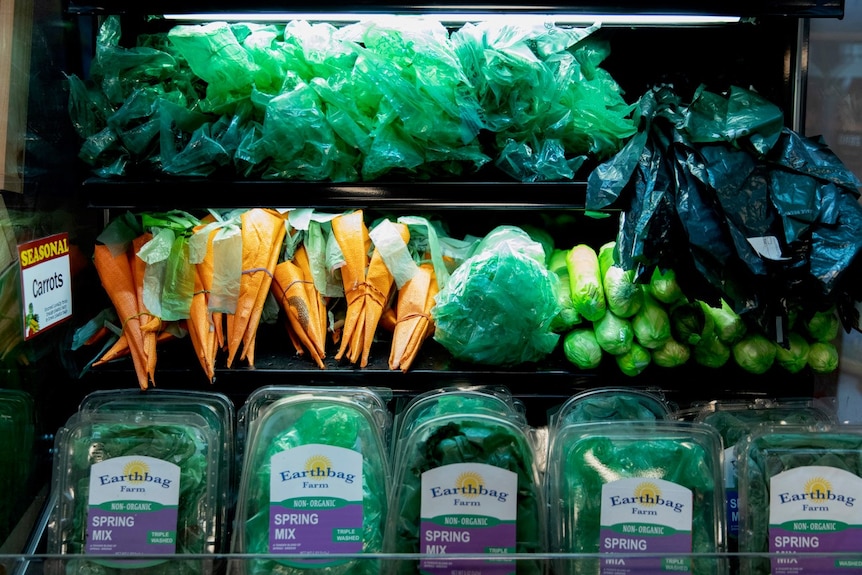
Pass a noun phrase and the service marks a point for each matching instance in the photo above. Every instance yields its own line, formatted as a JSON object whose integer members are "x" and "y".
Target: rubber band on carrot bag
{"x": 255, "y": 270}
{"x": 413, "y": 316}
{"x": 131, "y": 317}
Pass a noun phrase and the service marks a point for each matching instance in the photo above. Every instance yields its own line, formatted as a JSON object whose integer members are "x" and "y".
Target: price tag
{"x": 46, "y": 283}
{"x": 768, "y": 247}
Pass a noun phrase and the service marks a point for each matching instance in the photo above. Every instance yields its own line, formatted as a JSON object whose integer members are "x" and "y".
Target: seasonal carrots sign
{"x": 46, "y": 283}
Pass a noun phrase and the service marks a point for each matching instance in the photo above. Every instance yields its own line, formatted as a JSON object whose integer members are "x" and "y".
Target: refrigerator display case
{"x": 757, "y": 45}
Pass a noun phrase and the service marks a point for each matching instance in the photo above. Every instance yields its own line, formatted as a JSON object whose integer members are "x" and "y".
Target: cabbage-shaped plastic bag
{"x": 498, "y": 305}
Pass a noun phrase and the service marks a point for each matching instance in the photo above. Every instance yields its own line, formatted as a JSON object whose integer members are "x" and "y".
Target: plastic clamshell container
{"x": 649, "y": 487}
{"x": 146, "y": 485}
{"x": 612, "y": 404}
{"x": 315, "y": 481}
{"x": 216, "y": 409}
{"x": 734, "y": 420}
{"x": 466, "y": 483}
{"x": 800, "y": 492}
{"x": 17, "y": 461}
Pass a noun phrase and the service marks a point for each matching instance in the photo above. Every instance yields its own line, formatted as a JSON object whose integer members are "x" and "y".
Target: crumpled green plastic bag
{"x": 718, "y": 173}
{"x": 399, "y": 97}
{"x": 544, "y": 96}
{"x": 169, "y": 279}
{"x": 497, "y": 306}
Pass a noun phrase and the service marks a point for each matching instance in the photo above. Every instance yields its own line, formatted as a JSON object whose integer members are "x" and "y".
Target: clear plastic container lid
{"x": 374, "y": 398}
{"x": 800, "y": 491}
{"x": 642, "y": 487}
{"x": 464, "y": 399}
{"x": 734, "y": 419}
{"x": 315, "y": 481}
{"x": 612, "y": 404}
{"x": 144, "y": 485}
{"x": 465, "y": 483}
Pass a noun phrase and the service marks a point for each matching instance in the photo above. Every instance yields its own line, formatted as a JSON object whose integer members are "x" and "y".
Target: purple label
{"x": 318, "y": 532}
{"x": 797, "y": 543}
{"x": 613, "y": 541}
{"x": 732, "y": 505}
{"x": 436, "y": 539}
{"x": 145, "y": 533}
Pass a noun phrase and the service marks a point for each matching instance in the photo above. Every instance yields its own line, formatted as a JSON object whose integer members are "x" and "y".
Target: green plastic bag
{"x": 498, "y": 305}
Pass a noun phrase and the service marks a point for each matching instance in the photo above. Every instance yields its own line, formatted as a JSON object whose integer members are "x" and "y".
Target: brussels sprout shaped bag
{"x": 135, "y": 485}
{"x": 315, "y": 481}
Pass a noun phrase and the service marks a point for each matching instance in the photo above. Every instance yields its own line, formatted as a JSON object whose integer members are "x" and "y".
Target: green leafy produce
{"x": 794, "y": 357}
{"x": 690, "y": 323}
{"x": 823, "y": 325}
{"x": 84, "y": 443}
{"x": 671, "y": 354}
{"x": 774, "y": 450}
{"x": 729, "y": 326}
{"x": 614, "y": 334}
{"x": 294, "y": 422}
{"x": 635, "y": 360}
{"x": 754, "y": 353}
{"x": 498, "y": 305}
{"x": 735, "y": 420}
{"x": 582, "y": 349}
{"x": 823, "y": 357}
{"x": 585, "y": 282}
{"x": 651, "y": 324}
{"x": 568, "y": 317}
{"x": 464, "y": 438}
{"x": 624, "y": 297}
{"x": 585, "y": 457}
{"x": 663, "y": 286}
{"x": 711, "y": 352}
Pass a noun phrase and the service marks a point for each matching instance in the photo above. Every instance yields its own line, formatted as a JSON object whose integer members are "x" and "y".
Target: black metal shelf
{"x": 743, "y": 8}
{"x": 218, "y": 193}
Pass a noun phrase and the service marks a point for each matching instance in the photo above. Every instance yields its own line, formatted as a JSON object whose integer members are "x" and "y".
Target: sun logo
{"x": 647, "y": 493}
{"x": 468, "y": 483}
{"x": 317, "y": 462}
{"x": 136, "y": 470}
{"x": 817, "y": 487}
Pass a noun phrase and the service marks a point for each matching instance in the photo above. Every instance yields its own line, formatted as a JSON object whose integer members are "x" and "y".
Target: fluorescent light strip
{"x": 562, "y": 19}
